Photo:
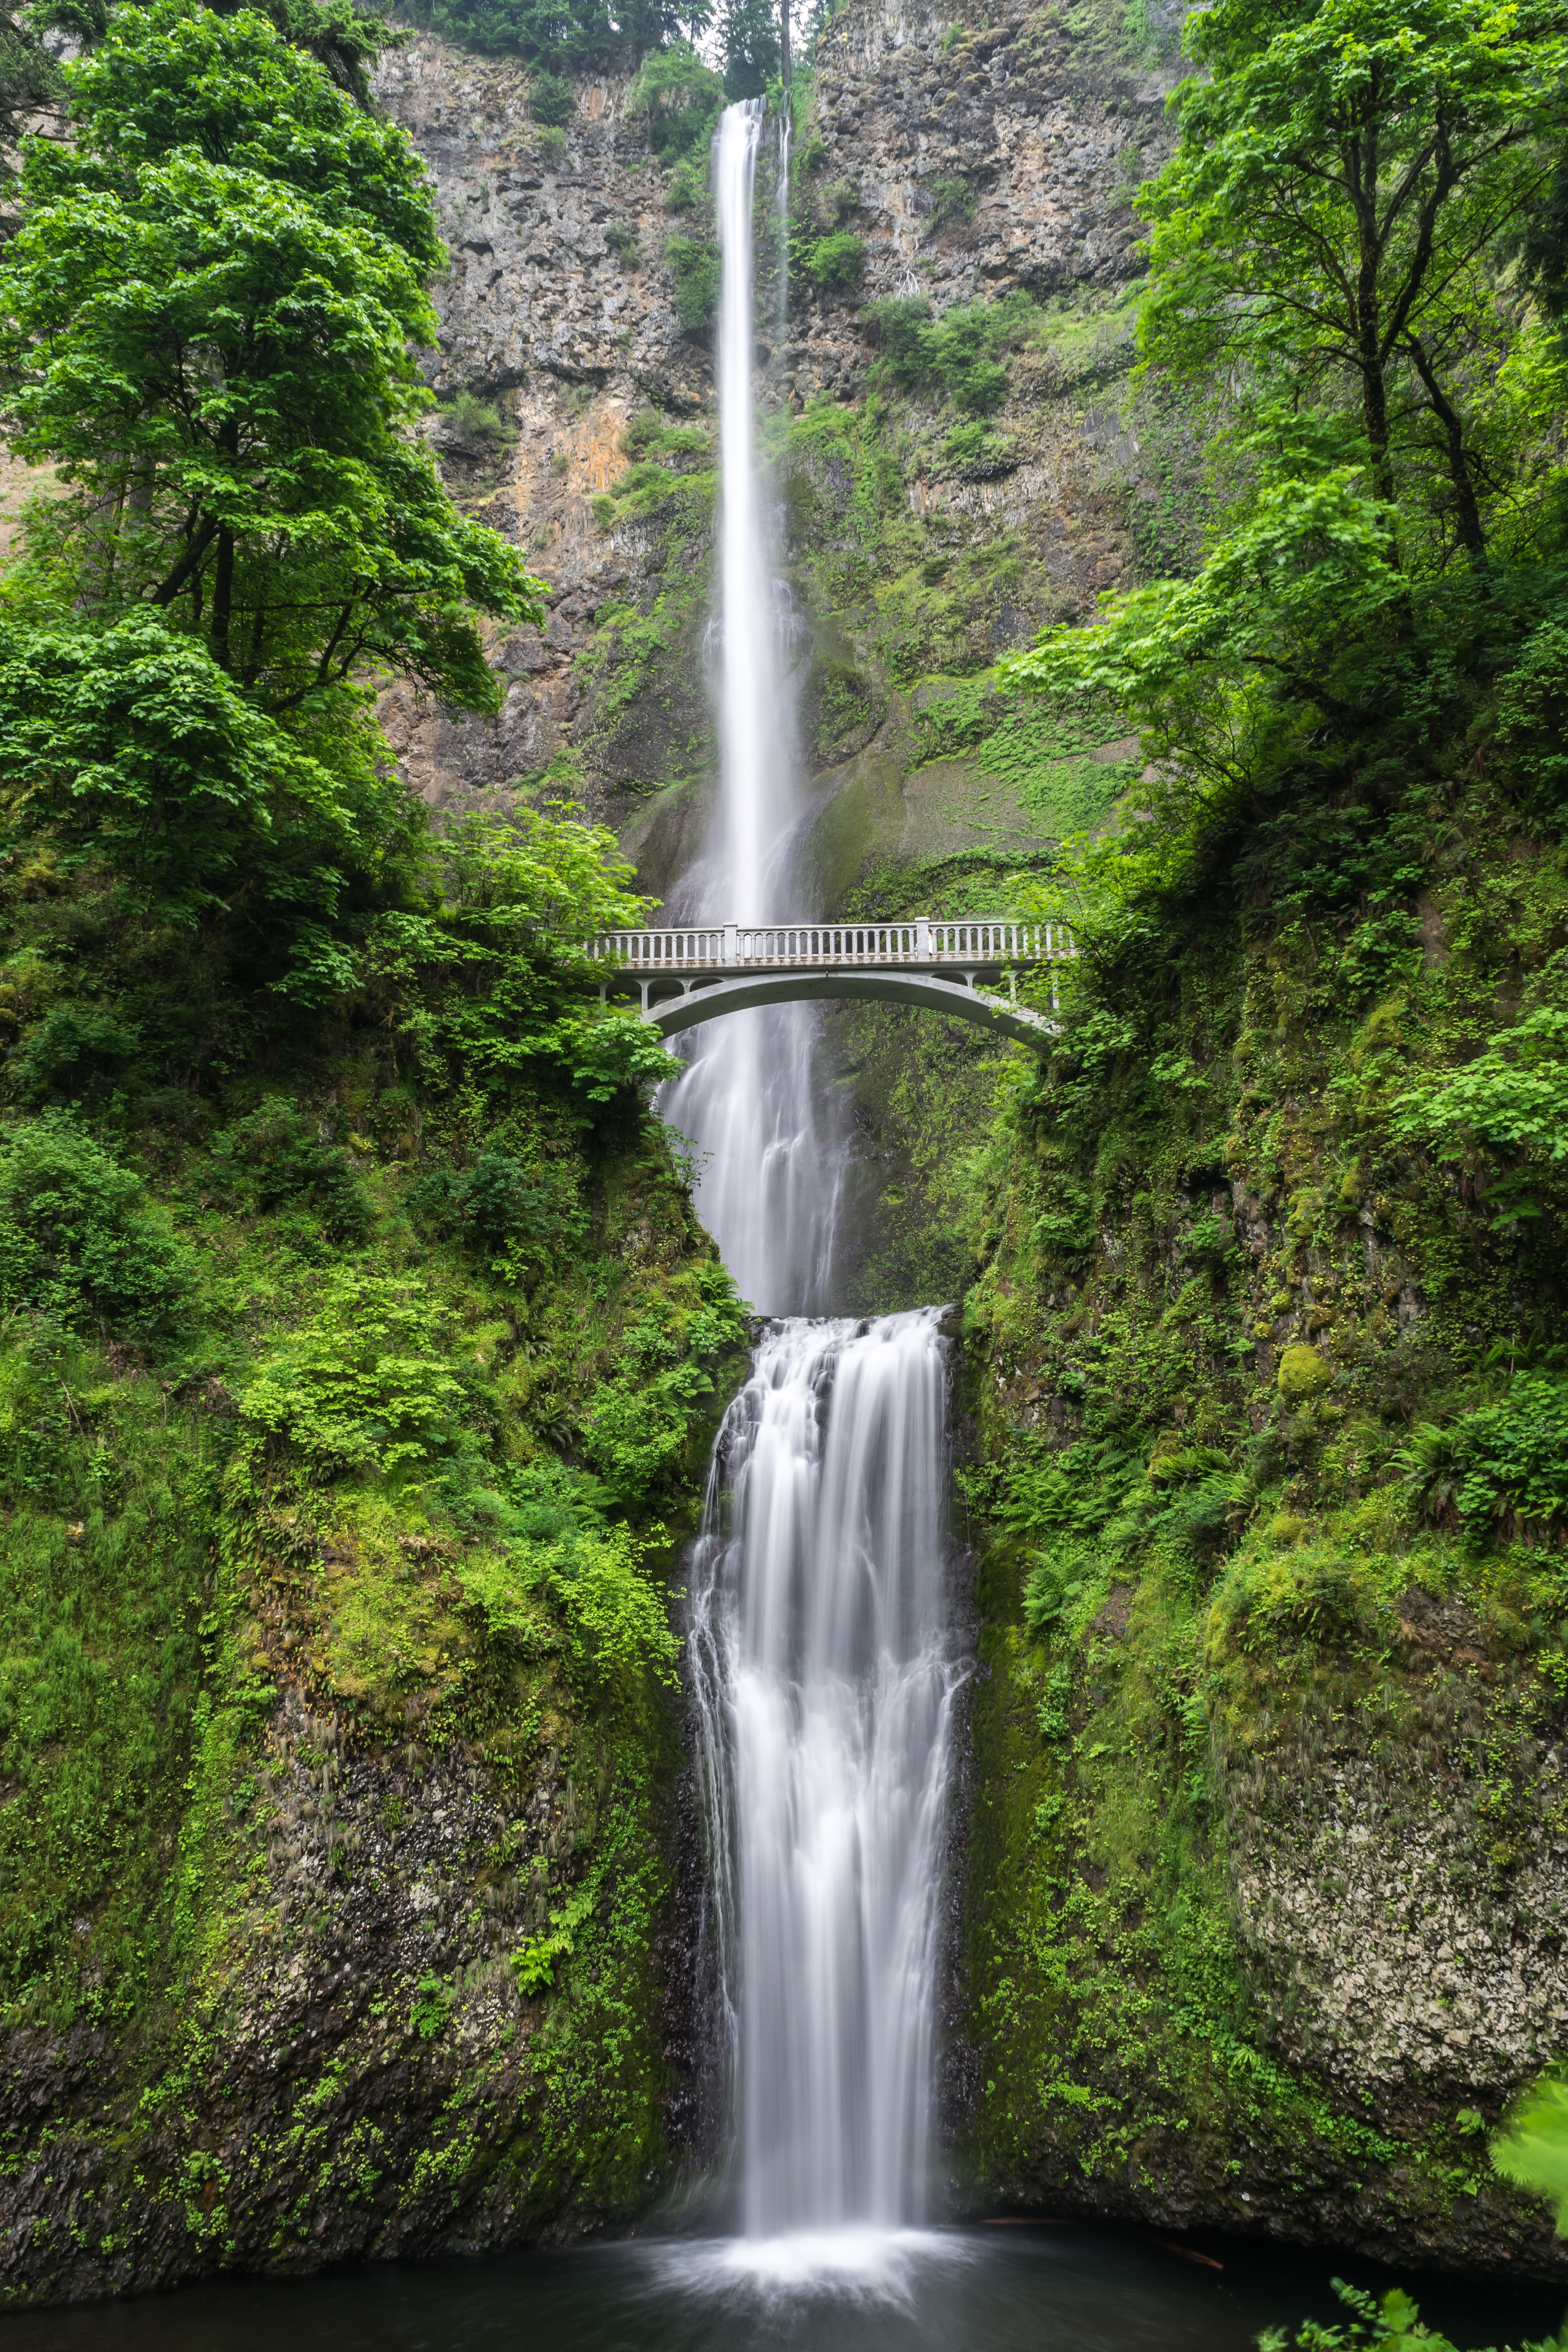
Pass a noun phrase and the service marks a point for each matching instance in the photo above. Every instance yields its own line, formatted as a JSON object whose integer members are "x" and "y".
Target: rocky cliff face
{"x": 969, "y": 163}
{"x": 1269, "y": 1952}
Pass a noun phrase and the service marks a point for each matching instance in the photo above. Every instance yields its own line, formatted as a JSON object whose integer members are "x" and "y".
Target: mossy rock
{"x": 1303, "y": 1373}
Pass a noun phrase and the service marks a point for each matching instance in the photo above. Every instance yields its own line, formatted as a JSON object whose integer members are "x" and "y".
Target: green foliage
{"x": 207, "y": 309}
{"x": 677, "y": 98}
{"x": 366, "y": 1383}
{"x": 1510, "y": 1101}
{"x": 104, "y": 1579}
{"x": 1531, "y": 2150}
{"x": 276, "y": 1157}
{"x": 958, "y": 356}
{"x": 432, "y": 2011}
{"x": 1503, "y": 1467}
{"x": 470, "y": 418}
{"x": 490, "y": 979}
{"x": 1388, "y": 2323}
{"x": 564, "y": 36}
{"x": 952, "y": 199}
{"x": 978, "y": 453}
{"x": 134, "y": 753}
{"x": 1324, "y": 226}
{"x": 748, "y": 34}
{"x": 30, "y": 80}
{"x": 695, "y": 267}
{"x": 1532, "y": 716}
{"x": 536, "y": 1961}
{"x": 624, "y": 244}
{"x": 637, "y": 1435}
{"x": 618, "y": 1617}
{"x": 78, "y": 1237}
{"x": 551, "y": 100}
{"x": 837, "y": 262}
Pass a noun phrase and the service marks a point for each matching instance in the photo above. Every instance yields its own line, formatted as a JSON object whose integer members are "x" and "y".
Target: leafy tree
{"x": 207, "y": 313}
{"x": 1331, "y": 217}
{"x": 677, "y": 98}
{"x": 345, "y": 36}
{"x": 133, "y": 755}
{"x": 487, "y": 980}
{"x": 565, "y": 35}
{"x": 30, "y": 82}
{"x": 749, "y": 41}
{"x": 552, "y": 101}
{"x": 77, "y": 1236}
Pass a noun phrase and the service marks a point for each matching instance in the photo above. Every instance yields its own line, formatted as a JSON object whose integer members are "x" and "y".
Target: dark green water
{"x": 1023, "y": 2289}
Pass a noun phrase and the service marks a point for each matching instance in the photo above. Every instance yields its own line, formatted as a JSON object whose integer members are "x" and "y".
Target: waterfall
{"x": 824, "y": 1682}
{"x": 821, "y": 1666}
{"x": 767, "y": 1190}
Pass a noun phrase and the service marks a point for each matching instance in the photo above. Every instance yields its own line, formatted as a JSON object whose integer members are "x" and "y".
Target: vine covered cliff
{"x": 361, "y": 1344}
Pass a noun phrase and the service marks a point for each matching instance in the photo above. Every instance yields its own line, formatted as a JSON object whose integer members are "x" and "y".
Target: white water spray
{"x": 820, "y": 1660}
{"x": 768, "y": 1192}
{"x": 825, "y": 1688}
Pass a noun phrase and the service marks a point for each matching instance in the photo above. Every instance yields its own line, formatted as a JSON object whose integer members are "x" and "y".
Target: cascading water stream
{"x": 821, "y": 1666}
{"x": 768, "y": 1188}
{"x": 825, "y": 1685}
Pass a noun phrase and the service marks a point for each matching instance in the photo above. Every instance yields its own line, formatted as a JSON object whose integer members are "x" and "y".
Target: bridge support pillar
{"x": 732, "y": 943}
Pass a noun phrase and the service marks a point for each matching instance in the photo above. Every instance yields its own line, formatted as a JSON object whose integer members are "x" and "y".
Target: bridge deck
{"x": 690, "y": 974}
{"x": 920, "y": 944}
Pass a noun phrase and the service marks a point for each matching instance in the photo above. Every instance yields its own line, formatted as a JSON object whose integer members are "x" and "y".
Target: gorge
{"x": 884, "y": 1629}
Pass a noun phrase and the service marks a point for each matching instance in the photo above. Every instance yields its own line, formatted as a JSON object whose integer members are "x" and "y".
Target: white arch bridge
{"x": 967, "y": 970}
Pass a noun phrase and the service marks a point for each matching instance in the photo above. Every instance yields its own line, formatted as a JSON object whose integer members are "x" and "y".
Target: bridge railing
{"x": 921, "y": 942}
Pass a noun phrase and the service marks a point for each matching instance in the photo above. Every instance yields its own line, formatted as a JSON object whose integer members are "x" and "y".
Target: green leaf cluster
{"x": 80, "y": 1240}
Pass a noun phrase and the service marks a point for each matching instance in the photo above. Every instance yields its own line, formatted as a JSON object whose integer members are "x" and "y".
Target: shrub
{"x": 683, "y": 193}
{"x": 837, "y": 262}
{"x": 695, "y": 265}
{"x": 358, "y": 1386}
{"x": 74, "y": 1051}
{"x": 956, "y": 356}
{"x": 1532, "y": 716}
{"x": 1512, "y": 1459}
{"x": 977, "y": 453}
{"x": 1294, "y": 1593}
{"x": 501, "y": 1199}
{"x": 952, "y": 199}
{"x": 78, "y": 1238}
{"x": 618, "y": 1618}
{"x": 470, "y": 418}
{"x": 277, "y": 1156}
{"x": 677, "y": 99}
{"x": 1512, "y": 1098}
{"x": 552, "y": 101}
{"x": 553, "y": 144}
{"x": 624, "y": 244}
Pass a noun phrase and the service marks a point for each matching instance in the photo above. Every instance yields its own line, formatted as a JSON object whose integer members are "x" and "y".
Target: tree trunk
{"x": 223, "y": 595}
{"x": 783, "y": 47}
{"x": 1467, "y": 506}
